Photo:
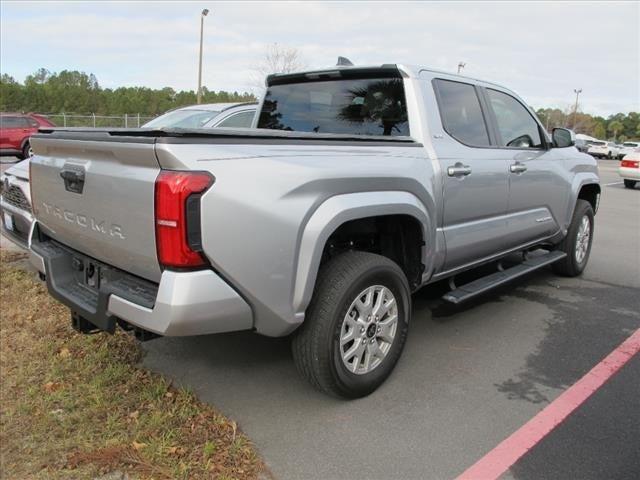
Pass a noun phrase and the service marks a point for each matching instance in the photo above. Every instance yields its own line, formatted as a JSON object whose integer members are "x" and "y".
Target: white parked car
{"x": 630, "y": 168}
{"x": 627, "y": 148}
{"x": 602, "y": 149}
{"x": 15, "y": 204}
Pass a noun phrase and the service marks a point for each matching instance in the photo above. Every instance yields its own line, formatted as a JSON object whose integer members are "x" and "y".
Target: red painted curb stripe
{"x": 498, "y": 460}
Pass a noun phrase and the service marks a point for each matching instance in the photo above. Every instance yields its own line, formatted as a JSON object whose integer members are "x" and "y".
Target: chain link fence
{"x": 96, "y": 121}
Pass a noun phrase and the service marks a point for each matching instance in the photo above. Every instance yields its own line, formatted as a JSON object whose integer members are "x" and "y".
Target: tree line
{"x": 619, "y": 127}
{"x": 78, "y": 92}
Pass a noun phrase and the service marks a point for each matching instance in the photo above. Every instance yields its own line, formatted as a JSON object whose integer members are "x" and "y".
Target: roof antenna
{"x": 344, "y": 62}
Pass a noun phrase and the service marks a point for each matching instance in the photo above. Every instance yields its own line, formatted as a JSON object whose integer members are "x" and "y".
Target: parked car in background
{"x": 602, "y": 149}
{"x": 15, "y": 130}
{"x": 629, "y": 168}
{"x": 582, "y": 145}
{"x": 15, "y": 203}
{"x": 627, "y": 148}
{"x": 230, "y": 115}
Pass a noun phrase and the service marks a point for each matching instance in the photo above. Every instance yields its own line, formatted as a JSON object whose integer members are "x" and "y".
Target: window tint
{"x": 516, "y": 126}
{"x": 371, "y": 106}
{"x": 12, "y": 122}
{"x": 32, "y": 122}
{"x": 239, "y": 120}
{"x": 461, "y": 113}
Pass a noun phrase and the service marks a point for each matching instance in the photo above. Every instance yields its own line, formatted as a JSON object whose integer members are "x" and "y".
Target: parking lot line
{"x": 502, "y": 457}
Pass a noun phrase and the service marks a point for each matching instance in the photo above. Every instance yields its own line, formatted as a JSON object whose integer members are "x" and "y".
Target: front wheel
{"x": 27, "y": 152}
{"x": 356, "y": 325}
{"x": 629, "y": 183}
{"x": 577, "y": 243}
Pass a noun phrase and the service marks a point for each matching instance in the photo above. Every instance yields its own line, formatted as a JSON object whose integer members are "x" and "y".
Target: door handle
{"x": 73, "y": 177}
{"x": 517, "y": 168}
{"x": 458, "y": 170}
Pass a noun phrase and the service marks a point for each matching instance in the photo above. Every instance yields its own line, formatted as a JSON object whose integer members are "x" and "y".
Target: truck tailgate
{"x": 95, "y": 194}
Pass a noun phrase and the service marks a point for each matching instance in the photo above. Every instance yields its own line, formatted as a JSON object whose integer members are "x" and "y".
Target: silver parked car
{"x": 359, "y": 186}
{"x": 229, "y": 115}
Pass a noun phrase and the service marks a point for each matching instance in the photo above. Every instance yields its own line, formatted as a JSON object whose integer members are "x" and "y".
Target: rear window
{"x": 368, "y": 106}
{"x": 629, "y": 144}
{"x": 182, "y": 119}
{"x": 461, "y": 113}
{"x": 598, "y": 143}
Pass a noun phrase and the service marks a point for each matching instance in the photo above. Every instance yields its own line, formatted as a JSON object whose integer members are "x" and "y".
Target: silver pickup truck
{"x": 357, "y": 187}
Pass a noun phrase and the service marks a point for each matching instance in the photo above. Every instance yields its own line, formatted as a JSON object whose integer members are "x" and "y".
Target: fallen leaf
{"x": 168, "y": 395}
{"x": 64, "y": 353}
{"x": 52, "y": 386}
{"x": 134, "y": 415}
{"x": 139, "y": 446}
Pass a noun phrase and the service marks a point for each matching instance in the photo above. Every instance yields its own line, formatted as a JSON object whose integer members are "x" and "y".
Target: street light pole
{"x": 577, "y": 91}
{"x": 204, "y": 13}
{"x": 461, "y": 65}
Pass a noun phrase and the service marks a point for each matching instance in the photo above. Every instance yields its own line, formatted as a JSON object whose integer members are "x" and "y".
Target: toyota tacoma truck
{"x": 358, "y": 186}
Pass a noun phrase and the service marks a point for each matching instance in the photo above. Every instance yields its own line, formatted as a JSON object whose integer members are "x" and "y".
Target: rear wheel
{"x": 356, "y": 325}
{"x": 629, "y": 183}
{"x": 577, "y": 243}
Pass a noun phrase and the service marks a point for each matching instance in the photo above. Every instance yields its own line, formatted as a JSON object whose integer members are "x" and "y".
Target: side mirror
{"x": 563, "y": 137}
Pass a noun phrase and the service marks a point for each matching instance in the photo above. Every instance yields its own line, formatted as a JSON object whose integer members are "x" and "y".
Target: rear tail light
{"x": 630, "y": 164}
{"x": 177, "y": 217}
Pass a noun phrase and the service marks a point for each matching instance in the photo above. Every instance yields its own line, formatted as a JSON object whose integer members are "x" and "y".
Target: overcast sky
{"x": 542, "y": 50}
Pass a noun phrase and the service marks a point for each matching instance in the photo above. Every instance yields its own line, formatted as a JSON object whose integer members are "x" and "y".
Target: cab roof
{"x": 387, "y": 69}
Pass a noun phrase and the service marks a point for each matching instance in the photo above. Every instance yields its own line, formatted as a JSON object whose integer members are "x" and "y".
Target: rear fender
{"x": 334, "y": 212}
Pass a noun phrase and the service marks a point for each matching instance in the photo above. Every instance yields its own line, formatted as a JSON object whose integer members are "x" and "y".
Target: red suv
{"x": 15, "y": 130}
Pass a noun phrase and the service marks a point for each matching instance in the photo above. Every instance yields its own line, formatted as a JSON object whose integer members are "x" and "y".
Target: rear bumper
{"x": 182, "y": 304}
{"x": 629, "y": 173}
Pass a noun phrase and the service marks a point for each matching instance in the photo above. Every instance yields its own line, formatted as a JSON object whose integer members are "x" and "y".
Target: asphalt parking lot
{"x": 469, "y": 377}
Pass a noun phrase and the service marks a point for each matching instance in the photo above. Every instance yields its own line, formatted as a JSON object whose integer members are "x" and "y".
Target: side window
{"x": 461, "y": 113}
{"x": 239, "y": 120}
{"x": 11, "y": 122}
{"x": 516, "y": 126}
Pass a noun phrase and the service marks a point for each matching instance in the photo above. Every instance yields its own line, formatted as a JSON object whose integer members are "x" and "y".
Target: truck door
{"x": 538, "y": 191}
{"x": 475, "y": 179}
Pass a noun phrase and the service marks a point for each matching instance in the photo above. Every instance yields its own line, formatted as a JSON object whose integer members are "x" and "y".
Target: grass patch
{"x": 78, "y": 406}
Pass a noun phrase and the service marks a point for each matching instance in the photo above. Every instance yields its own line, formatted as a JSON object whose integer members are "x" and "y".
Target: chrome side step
{"x": 484, "y": 284}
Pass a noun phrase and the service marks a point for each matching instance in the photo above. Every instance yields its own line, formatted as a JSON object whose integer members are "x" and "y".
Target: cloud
{"x": 542, "y": 50}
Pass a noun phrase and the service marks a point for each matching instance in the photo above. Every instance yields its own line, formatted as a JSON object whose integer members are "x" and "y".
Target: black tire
{"x": 316, "y": 344}
{"x": 609, "y": 156}
{"x": 570, "y": 266}
{"x": 26, "y": 150}
{"x": 629, "y": 183}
